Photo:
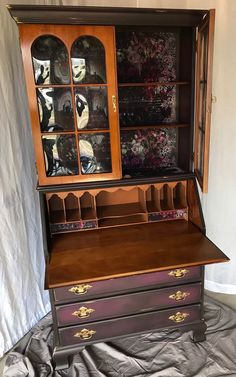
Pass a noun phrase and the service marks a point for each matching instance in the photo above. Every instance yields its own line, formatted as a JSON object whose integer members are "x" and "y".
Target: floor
{"x": 227, "y": 299}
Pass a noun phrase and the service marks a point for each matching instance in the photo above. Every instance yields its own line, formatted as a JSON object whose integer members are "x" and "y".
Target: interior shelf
{"x": 117, "y": 206}
{"x": 166, "y": 83}
{"x": 148, "y": 126}
{"x": 120, "y": 203}
{"x": 119, "y": 210}
{"x": 131, "y": 219}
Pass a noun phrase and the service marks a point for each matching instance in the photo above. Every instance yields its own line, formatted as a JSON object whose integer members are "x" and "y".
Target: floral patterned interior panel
{"x": 50, "y": 61}
{"x": 55, "y": 109}
{"x": 147, "y": 152}
{"x": 60, "y": 155}
{"x": 149, "y": 105}
{"x": 88, "y": 61}
{"x": 95, "y": 153}
{"x": 91, "y": 107}
{"x": 146, "y": 56}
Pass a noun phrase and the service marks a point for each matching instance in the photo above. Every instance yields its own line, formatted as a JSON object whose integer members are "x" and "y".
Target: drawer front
{"x": 110, "y": 287}
{"x": 104, "y": 330}
{"x": 135, "y": 303}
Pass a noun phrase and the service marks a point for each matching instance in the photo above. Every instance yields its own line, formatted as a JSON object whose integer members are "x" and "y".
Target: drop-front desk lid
{"x": 122, "y": 251}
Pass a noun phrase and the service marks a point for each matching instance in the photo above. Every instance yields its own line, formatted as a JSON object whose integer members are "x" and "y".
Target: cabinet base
{"x": 199, "y": 333}
{"x": 61, "y": 355}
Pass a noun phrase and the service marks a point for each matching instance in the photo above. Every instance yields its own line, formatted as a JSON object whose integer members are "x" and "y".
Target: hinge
{"x": 193, "y": 156}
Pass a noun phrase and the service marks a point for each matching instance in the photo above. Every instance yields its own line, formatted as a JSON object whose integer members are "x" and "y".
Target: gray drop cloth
{"x": 165, "y": 353}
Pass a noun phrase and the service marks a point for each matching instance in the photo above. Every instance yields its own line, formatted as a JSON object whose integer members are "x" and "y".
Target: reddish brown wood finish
{"x": 194, "y": 213}
{"x": 129, "y": 325}
{"x": 68, "y": 34}
{"x": 119, "y": 286}
{"x": 116, "y": 252}
{"x": 136, "y": 303}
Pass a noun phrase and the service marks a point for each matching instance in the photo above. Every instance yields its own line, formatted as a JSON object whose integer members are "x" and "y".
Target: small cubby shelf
{"x": 152, "y": 127}
{"x": 120, "y": 203}
{"x": 109, "y": 207}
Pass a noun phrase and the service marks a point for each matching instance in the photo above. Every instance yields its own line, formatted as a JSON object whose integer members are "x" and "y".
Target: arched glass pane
{"x": 88, "y": 61}
{"x": 50, "y": 61}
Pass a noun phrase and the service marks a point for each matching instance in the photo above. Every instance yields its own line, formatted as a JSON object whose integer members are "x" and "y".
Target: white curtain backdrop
{"x": 23, "y": 300}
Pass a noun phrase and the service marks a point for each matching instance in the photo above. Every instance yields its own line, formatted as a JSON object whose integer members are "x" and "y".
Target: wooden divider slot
{"x": 115, "y": 206}
{"x": 180, "y": 195}
{"x": 72, "y": 207}
{"x": 87, "y": 206}
{"x": 56, "y": 209}
{"x": 153, "y": 199}
{"x": 120, "y": 203}
{"x": 166, "y": 198}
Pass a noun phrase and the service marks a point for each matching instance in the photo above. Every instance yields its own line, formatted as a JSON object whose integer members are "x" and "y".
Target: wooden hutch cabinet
{"x": 120, "y": 104}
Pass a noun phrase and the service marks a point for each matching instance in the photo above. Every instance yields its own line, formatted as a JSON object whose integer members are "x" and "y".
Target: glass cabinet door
{"x": 71, "y": 82}
{"x": 203, "y": 98}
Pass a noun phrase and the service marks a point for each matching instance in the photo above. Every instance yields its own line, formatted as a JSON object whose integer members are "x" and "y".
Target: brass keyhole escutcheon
{"x": 178, "y": 273}
{"x": 85, "y": 334}
{"x": 178, "y": 317}
{"x": 83, "y": 312}
{"x": 80, "y": 289}
{"x": 113, "y": 98}
{"x": 178, "y": 296}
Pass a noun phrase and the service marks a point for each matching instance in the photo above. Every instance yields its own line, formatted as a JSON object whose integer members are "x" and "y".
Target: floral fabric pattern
{"x": 146, "y": 56}
{"x": 176, "y": 214}
{"x": 73, "y": 227}
{"x": 149, "y": 149}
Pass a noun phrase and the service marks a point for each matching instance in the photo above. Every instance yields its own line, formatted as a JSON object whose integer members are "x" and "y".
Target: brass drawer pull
{"x": 178, "y": 317}
{"x": 178, "y": 273}
{"x": 83, "y": 312}
{"x": 178, "y": 296}
{"x": 85, "y": 334}
{"x": 80, "y": 289}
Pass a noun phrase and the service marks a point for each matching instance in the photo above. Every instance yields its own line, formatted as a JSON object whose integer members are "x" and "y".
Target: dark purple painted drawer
{"x": 88, "y": 311}
{"x": 133, "y": 283}
{"x": 103, "y": 330}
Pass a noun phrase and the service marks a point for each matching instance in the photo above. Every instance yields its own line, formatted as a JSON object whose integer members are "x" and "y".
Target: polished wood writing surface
{"x": 123, "y": 251}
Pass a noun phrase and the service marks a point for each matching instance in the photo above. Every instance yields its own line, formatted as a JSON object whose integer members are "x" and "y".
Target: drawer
{"x": 110, "y": 287}
{"x": 87, "y": 311}
{"x": 104, "y": 330}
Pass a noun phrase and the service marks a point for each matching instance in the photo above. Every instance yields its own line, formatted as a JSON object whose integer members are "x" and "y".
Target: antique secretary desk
{"x": 120, "y": 105}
